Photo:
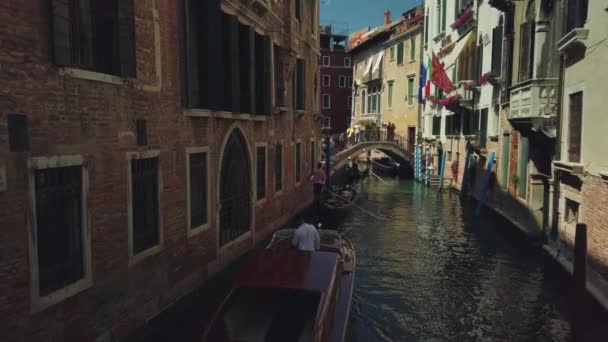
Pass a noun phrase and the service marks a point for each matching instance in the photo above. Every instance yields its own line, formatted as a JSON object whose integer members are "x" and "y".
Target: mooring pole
{"x": 441, "y": 171}
{"x": 579, "y": 275}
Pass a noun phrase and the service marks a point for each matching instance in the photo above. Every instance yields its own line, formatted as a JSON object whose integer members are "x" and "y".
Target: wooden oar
{"x": 380, "y": 178}
{"x": 354, "y": 204}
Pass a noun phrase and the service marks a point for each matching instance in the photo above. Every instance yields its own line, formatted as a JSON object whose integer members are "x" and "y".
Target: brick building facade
{"x": 336, "y": 80}
{"x": 126, "y": 180}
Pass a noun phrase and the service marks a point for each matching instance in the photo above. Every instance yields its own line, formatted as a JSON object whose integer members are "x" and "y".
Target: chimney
{"x": 387, "y": 17}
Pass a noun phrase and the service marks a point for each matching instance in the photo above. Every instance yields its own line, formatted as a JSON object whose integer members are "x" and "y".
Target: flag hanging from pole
{"x": 427, "y": 88}
{"x": 422, "y": 82}
{"x": 439, "y": 77}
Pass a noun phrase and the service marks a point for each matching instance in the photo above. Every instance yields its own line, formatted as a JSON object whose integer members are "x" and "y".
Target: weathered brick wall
{"x": 69, "y": 115}
{"x": 595, "y": 215}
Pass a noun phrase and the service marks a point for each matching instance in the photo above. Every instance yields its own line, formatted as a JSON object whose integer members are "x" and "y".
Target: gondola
{"x": 283, "y": 294}
{"x": 384, "y": 167}
{"x": 340, "y": 198}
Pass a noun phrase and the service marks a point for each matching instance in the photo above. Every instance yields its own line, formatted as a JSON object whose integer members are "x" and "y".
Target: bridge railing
{"x": 369, "y": 136}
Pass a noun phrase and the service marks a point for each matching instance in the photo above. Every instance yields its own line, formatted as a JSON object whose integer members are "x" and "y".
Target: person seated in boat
{"x": 306, "y": 237}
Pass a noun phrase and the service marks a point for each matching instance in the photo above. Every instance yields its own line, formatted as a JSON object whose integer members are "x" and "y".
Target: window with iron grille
{"x": 96, "y": 35}
{"x": 260, "y": 172}
{"x": 144, "y": 204}
{"x": 59, "y": 227}
{"x": 575, "y": 117}
{"x": 198, "y": 189}
{"x": 313, "y": 158}
{"x": 278, "y": 168}
{"x": 298, "y": 162}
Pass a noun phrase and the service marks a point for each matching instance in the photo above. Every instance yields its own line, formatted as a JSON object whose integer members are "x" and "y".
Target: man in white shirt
{"x": 306, "y": 237}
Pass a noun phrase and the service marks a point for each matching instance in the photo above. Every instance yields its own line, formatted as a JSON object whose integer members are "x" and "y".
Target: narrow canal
{"x": 434, "y": 272}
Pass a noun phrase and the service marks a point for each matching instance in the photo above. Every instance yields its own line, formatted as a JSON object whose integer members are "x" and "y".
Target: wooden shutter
{"x": 524, "y": 51}
{"x": 246, "y": 68}
{"x": 126, "y": 36}
{"x": 267, "y": 42}
{"x": 400, "y": 53}
{"x": 575, "y": 127}
{"x": 60, "y": 12}
{"x": 233, "y": 57}
{"x": 210, "y": 56}
{"x": 497, "y": 34}
{"x": 183, "y": 51}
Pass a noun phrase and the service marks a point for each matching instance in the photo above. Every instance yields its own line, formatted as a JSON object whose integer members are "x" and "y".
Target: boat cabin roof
{"x": 290, "y": 269}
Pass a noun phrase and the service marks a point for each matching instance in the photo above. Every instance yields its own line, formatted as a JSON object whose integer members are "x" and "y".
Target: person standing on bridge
{"x": 357, "y": 133}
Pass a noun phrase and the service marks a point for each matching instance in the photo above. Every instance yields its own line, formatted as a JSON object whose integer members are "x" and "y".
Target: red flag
{"x": 427, "y": 89}
{"x": 439, "y": 77}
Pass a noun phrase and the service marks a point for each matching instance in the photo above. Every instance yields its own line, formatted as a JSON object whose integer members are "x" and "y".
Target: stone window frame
{"x": 37, "y": 302}
{"x": 205, "y": 226}
{"x": 328, "y": 78}
{"x": 326, "y": 58}
{"x": 323, "y": 101}
{"x": 580, "y": 87}
{"x": 342, "y": 81}
{"x": 136, "y": 258}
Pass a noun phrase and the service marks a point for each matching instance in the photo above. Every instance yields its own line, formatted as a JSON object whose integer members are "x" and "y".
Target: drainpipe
{"x": 558, "y": 142}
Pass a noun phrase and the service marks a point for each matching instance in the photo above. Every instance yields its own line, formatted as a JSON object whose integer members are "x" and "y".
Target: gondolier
{"x": 318, "y": 181}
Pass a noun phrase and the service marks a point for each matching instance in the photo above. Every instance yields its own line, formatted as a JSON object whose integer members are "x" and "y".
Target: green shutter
{"x": 523, "y": 167}
{"x": 412, "y": 49}
{"x": 400, "y": 53}
{"x": 392, "y": 53}
{"x": 506, "y": 145}
{"x": 390, "y": 95}
{"x": 410, "y": 91}
{"x": 443, "y": 12}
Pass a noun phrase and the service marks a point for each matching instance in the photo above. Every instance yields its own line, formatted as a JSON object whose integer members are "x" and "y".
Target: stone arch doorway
{"x": 235, "y": 189}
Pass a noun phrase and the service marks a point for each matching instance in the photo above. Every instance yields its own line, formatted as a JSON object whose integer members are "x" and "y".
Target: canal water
{"x": 432, "y": 272}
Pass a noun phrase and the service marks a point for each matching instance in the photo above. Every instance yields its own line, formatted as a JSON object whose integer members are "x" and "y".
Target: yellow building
{"x": 386, "y": 65}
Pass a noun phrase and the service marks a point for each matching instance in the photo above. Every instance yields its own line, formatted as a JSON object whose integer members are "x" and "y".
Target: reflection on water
{"x": 433, "y": 272}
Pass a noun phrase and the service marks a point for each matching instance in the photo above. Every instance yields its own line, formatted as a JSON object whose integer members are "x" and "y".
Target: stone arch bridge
{"x": 399, "y": 148}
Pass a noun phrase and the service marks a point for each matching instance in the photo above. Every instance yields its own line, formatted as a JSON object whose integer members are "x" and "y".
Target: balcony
{"x": 535, "y": 98}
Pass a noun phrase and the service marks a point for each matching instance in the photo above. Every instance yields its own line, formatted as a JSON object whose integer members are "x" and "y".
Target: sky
{"x": 357, "y": 14}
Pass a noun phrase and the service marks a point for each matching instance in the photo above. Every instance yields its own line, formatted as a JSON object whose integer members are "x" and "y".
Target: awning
{"x": 378, "y": 60}
{"x": 450, "y": 59}
{"x": 370, "y": 61}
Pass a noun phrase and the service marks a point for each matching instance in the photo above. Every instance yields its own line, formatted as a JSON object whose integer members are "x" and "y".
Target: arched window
{"x": 235, "y": 185}
{"x": 363, "y": 102}
{"x": 526, "y": 47}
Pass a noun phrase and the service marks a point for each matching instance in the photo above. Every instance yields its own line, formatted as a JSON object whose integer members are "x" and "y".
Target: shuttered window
{"x": 443, "y": 14}
{"x": 413, "y": 49}
{"x": 279, "y": 85}
{"x": 278, "y": 168}
{"x": 400, "y": 53}
{"x": 576, "y": 14}
{"x": 298, "y": 9}
{"x": 198, "y": 189}
{"x": 247, "y": 68}
{"x": 497, "y": 40}
{"x": 205, "y": 41}
{"x": 523, "y": 167}
{"x": 144, "y": 204}
{"x": 436, "y": 125}
{"x": 410, "y": 91}
{"x": 299, "y": 91}
{"x": 262, "y": 74}
{"x": 298, "y": 165}
{"x": 59, "y": 227}
{"x": 96, "y": 35}
{"x": 526, "y": 53}
{"x": 260, "y": 172}
{"x": 575, "y": 118}
{"x": 313, "y": 158}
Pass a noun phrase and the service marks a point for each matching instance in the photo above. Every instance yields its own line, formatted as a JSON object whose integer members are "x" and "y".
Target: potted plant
{"x": 515, "y": 181}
